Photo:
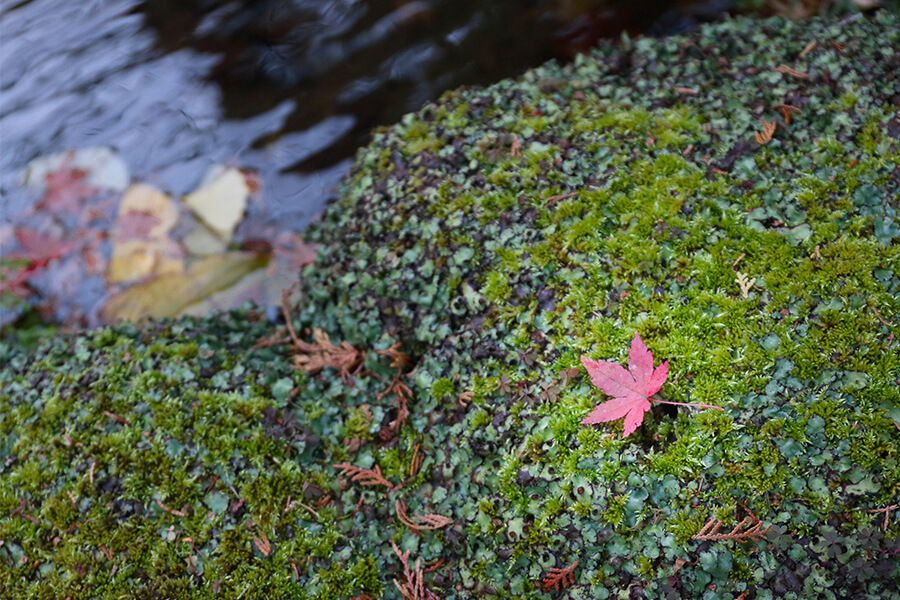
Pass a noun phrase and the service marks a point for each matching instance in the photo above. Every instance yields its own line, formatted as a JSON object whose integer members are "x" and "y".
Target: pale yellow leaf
{"x": 168, "y": 295}
{"x": 221, "y": 201}
{"x": 203, "y": 242}
{"x": 140, "y": 258}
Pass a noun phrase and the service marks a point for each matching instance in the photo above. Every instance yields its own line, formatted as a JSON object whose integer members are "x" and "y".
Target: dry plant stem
{"x": 171, "y": 511}
{"x": 880, "y": 318}
{"x": 115, "y": 417}
{"x": 809, "y": 47}
{"x": 887, "y": 513}
{"x": 287, "y": 317}
{"x": 554, "y": 199}
{"x": 786, "y": 70}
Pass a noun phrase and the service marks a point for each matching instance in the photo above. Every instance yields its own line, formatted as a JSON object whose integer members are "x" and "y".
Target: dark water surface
{"x": 289, "y": 88}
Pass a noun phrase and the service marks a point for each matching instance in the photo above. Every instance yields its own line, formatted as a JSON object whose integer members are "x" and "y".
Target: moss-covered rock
{"x": 497, "y": 236}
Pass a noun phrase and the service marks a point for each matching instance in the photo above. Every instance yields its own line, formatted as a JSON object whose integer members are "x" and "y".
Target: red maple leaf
{"x": 66, "y": 188}
{"x": 40, "y": 248}
{"x": 15, "y": 282}
{"x": 136, "y": 224}
{"x": 631, "y": 388}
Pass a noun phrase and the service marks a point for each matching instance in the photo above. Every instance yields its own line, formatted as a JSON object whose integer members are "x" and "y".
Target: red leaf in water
{"x": 66, "y": 188}
{"x": 135, "y": 224}
{"x": 16, "y": 282}
{"x": 40, "y": 248}
{"x": 631, "y": 389}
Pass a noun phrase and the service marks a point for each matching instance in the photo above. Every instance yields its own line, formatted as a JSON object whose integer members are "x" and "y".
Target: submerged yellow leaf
{"x": 200, "y": 241}
{"x": 146, "y": 199}
{"x": 140, "y": 239}
{"x": 221, "y": 200}
{"x": 136, "y": 259}
{"x": 168, "y": 295}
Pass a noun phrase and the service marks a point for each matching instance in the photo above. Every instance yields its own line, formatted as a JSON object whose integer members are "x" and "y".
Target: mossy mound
{"x": 497, "y": 236}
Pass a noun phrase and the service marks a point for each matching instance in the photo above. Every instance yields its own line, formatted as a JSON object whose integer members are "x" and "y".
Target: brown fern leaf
{"x": 262, "y": 544}
{"x": 402, "y": 394}
{"x": 786, "y": 110}
{"x": 559, "y": 578}
{"x": 321, "y": 353}
{"x": 364, "y": 476}
{"x": 425, "y": 522}
{"x": 786, "y": 70}
{"x": 766, "y": 135}
{"x": 742, "y": 532}
{"x": 399, "y": 360}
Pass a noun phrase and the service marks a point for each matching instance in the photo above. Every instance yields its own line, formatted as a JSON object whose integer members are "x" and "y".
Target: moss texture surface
{"x": 497, "y": 236}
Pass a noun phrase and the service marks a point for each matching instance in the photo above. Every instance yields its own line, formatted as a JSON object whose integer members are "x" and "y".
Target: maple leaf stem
{"x": 686, "y": 404}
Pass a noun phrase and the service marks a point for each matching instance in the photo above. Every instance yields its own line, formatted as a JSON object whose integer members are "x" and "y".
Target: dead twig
{"x": 879, "y": 317}
{"x": 115, "y": 417}
{"x": 285, "y": 294}
{"x": 171, "y": 511}
{"x": 745, "y": 283}
{"x": 807, "y": 50}
{"x": 401, "y": 362}
{"x": 554, "y": 199}
{"x": 887, "y": 513}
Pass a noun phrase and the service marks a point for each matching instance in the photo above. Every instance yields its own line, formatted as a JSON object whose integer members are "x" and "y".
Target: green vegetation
{"x": 496, "y": 236}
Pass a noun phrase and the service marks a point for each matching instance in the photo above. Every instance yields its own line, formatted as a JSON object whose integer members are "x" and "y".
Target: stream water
{"x": 288, "y": 89}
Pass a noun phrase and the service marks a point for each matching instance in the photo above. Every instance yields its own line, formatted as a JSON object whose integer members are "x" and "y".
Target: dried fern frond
{"x": 399, "y": 360}
{"x": 321, "y": 353}
{"x": 401, "y": 391}
{"x": 745, "y": 283}
{"x": 786, "y": 70}
{"x": 425, "y": 522}
{"x": 768, "y": 129}
{"x": 786, "y": 110}
{"x": 742, "y": 532}
{"x": 262, "y": 544}
{"x": 364, "y": 476}
{"x": 402, "y": 394}
{"x": 413, "y": 586}
{"x": 559, "y": 578}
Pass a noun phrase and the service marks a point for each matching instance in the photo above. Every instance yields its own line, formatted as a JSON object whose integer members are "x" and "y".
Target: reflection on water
{"x": 77, "y": 75}
{"x": 287, "y": 89}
